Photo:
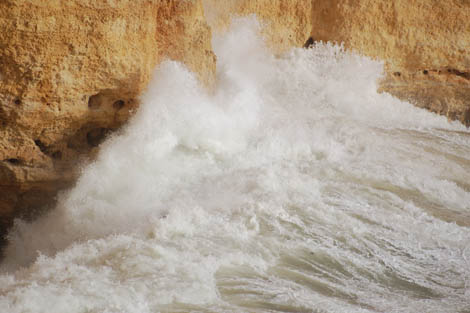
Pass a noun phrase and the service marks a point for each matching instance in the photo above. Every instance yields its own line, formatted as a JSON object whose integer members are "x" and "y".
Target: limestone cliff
{"x": 286, "y": 24}
{"x": 425, "y": 43}
{"x": 70, "y": 72}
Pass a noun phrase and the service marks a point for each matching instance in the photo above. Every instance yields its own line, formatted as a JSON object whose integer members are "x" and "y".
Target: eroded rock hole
{"x": 456, "y": 72}
{"x": 119, "y": 104}
{"x": 425, "y": 72}
{"x": 309, "y": 43}
{"x": 96, "y": 136}
{"x": 17, "y": 101}
{"x": 397, "y": 74}
{"x": 94, "y": 102}
{"x": 40, "y": 145}
{"x": 13, "y": 161}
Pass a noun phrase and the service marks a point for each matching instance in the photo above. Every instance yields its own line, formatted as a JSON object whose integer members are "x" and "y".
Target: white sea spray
{"x": 294, "y": 187}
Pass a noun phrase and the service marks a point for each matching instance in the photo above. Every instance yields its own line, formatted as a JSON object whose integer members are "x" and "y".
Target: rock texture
{"x": 70, "y": 73}
{"x": 286, "y": 24}
{"x": 425, "y": 45}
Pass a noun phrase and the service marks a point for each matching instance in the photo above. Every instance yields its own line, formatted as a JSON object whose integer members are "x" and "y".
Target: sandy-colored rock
{"x": 425, "y": 45}
{"x": 70, "y": 73}
{"x": 286, "y": 24}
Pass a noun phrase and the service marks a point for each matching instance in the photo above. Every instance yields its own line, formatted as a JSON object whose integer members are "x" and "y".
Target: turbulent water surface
{"x": 294, "y": 187}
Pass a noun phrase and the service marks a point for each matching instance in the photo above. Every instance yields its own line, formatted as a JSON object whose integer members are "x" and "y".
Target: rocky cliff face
{"x": 286, "y": 24}
{"x": 70, "y": 73}
{"x": 425, "y": 45}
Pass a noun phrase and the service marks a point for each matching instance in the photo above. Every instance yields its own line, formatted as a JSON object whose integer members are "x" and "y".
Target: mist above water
{"x": 295, "y": 187}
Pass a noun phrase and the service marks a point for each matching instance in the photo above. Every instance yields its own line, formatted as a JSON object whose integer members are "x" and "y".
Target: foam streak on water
{"x": 295, "y": 187}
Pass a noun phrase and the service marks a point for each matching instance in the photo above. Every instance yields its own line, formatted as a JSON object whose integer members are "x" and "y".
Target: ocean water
{"x": 293, "y": 187}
